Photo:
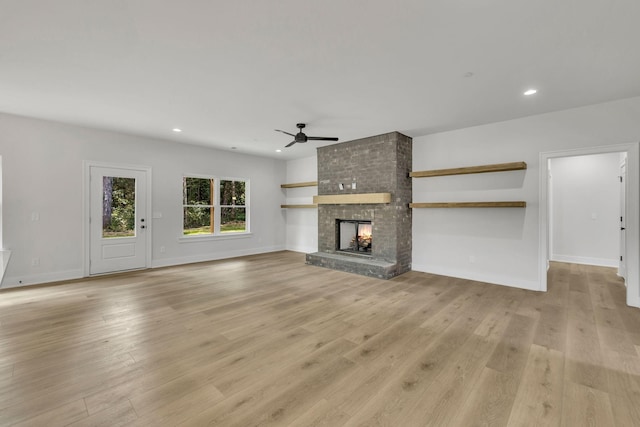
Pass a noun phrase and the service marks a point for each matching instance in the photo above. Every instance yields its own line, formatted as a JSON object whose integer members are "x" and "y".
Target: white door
{"x": 622, "y": 268}
{"x": 118, "y": 222}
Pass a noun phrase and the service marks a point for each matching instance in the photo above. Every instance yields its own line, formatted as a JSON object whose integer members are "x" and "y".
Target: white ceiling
{"x": 230, "y": 72}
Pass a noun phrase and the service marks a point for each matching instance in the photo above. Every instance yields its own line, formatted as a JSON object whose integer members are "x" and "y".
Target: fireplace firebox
{"x": 354, "y": 236}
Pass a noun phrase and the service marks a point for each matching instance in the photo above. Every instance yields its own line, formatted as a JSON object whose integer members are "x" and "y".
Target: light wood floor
{"x": 268, "y": 340}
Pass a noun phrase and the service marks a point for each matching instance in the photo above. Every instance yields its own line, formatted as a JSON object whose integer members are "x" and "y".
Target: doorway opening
{"x": 585, "y": 210}
{"x": 628, "y": 244}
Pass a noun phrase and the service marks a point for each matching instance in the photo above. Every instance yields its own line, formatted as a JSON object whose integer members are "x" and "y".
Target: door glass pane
{"x": 232, "y": 220}
{"x": 118, "y": 207}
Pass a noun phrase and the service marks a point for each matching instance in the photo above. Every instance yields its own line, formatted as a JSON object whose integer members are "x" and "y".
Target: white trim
{"x": 633, "y": 212}
{"x": 1, "y": 205}
{"x": 87, "y": 165}
{"x": 602, "y": 262}
{"x": 4, "y": 262}
{"x": 168, "y": 262}
{"x": 37, "y": 279}
{"x": 303, "y": 249}
{"x": 513, "y": 282}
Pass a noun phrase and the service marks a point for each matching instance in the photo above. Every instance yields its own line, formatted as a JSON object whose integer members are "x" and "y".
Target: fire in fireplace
{"x": 354, "y": 236}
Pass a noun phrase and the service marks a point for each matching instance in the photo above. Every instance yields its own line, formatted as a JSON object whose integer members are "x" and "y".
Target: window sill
{"x": 213, "y": 237}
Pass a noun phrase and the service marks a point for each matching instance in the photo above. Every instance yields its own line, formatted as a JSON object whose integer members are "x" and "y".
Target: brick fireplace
{"x": 374, "y": 165}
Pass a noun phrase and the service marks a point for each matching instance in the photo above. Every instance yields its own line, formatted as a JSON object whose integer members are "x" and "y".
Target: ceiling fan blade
{"x": 278, "y": 130}
{"x": 290, "y": 144}
{"x": 320, "y": 138}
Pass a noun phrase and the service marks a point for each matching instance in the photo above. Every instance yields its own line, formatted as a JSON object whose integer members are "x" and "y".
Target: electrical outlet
{"x": 162, "y": 249}
{"x": 472, "y": 259}
{"x": 35, "y": 262}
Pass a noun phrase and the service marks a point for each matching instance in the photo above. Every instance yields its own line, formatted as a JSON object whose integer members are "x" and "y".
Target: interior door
{"x": 118, "y": 223}
{"x": 622, "y": 267}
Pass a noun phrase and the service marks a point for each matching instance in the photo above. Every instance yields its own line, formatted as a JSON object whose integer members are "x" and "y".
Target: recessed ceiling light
{"x": 530, "y": 92}
{"x": 177, "y": 130}
{"x": 278, "y": 151}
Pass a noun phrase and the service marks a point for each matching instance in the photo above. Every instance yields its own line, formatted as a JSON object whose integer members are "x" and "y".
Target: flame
{"x": 364, "y": 231}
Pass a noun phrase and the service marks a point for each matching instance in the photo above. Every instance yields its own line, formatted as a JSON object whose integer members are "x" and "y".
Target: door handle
{"x": 142, "y": 226}
{"x": 622, "y": 228}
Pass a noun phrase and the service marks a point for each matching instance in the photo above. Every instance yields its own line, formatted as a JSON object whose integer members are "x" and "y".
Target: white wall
{"x": 501, "y": 245}
{"x": 585, "y": 200}
{"x": 1, "y": 221}
{"x": 43, "y": 173}
{"x": 302, "y": 224}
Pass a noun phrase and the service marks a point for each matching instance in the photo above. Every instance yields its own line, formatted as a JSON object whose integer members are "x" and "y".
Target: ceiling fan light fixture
{"x": 530, "y": 92}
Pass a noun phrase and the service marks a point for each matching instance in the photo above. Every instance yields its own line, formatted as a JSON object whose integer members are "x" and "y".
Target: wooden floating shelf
{"x": 353, "y": 199}
{"x": 300, "y": 184}
{"x": 498, "y": 167}
{"x": 469, "y": 205}
{"x": 298, "y": 206}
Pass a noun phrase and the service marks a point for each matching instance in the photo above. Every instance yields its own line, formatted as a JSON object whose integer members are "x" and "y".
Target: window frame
{"x": 217, "y": 208}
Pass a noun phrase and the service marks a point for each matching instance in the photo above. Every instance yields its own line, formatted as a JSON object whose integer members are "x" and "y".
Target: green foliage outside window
{"x": 199, "y": 206}
{"x": 232, "y": 201}
{"x": 119, "y": 207}
{"x": 198, "y": 209}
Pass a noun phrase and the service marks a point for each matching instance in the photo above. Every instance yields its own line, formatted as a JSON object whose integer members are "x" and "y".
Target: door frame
{"x": 622, "y": 245}
{"x": 86, "y": 208}
{"x": 632, "y": 208}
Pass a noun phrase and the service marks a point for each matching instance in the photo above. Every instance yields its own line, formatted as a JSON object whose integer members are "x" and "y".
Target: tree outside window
{"x": 118, "y": 207}
{"x": 198, "y": 205}
{"x": 204, "y": 213}
{"x": 233, "y": 212}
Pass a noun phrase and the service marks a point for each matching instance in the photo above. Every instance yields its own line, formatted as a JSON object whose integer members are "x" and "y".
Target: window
{"x": 198, "y": 205}
{"x": 214, "y": 206}
{"x": 233, "y": 210}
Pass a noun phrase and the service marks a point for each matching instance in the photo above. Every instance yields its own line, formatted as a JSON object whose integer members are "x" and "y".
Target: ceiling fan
{"x": 301, "y": 137}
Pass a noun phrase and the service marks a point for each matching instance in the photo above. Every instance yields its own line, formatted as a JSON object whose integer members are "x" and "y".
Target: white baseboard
{"x": 37, "y": 279}
{"x": 512, "y": 282}
{"x": 303, "y": 249}
{"x": 16, "y": 282}
{"x": 634, "y": 301}
{"x": 168, "y": 262}
{"x": 602, "y": 262}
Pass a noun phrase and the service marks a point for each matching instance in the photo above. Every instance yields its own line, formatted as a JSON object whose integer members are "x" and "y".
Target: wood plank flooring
{"x": 269, "y": 341}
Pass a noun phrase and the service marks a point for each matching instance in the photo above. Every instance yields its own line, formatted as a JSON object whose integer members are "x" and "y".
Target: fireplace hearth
{"x": 354, "y": 236}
